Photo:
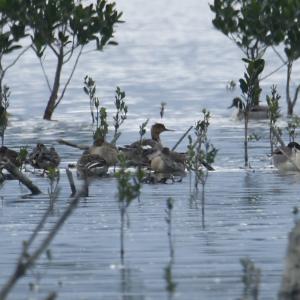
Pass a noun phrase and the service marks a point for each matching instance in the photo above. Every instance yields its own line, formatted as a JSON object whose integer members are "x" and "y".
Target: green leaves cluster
{"x": 249, "y": 85}
{"x": 57, "y": 23}
{"x": 244, "y": 22}
{"x": 255, "y": 25}
{"x": 200, "y": 153}
{"x": 99, "y": 113}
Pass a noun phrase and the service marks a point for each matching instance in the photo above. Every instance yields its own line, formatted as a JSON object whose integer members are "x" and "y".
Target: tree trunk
{"x": 52, "y": 100}
{"x": 246, "y": 138}
{"x": 288, "y": 82}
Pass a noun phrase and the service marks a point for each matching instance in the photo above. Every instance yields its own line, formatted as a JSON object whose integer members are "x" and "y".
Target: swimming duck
{"x": 287, "y": 158}
{"x": 11, "y": 155}
{"x": 96, "y": 160}
{"x": 43, "y": 158}
{"x": 257, "y": 112}
{"x": 142, "y": 152}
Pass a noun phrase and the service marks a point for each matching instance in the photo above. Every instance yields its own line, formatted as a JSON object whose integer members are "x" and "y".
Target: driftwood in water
{"x": 71, "y": 181}
{"x": 13, "y": 170}
{"x": 290, "y": 284}
{"x": 79, "y": 146}
{"x": 181, "y": 138}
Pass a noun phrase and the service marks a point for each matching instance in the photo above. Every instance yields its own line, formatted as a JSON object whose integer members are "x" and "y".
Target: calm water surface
{"x": 167, "y": 52}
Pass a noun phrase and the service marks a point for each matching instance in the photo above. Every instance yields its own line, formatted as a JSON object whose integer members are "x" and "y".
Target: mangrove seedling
{"x": 53, "y": 190}
{"x": 251, "y": 90}
{"x": 129, "y": 187}
{"x": 292, "y": 126}
{"x": 65, "y": 28}
{"x": 201, "y": 154}
{"x": 121, "y": 113}
{"x": 22, "y": 157}
{"x": 99, "y": 115}
{"x": 274, "y": 114}
{"x": 4, "y": 103}
{"x": 162, "y": 109}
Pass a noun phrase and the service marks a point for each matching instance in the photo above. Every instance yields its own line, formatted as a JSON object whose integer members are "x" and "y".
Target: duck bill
{"x": 167, "y": 129}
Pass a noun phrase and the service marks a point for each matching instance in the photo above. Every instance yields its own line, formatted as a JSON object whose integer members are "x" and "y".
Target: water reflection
{"x": 170, "y": 283}
{"x": 130, "y": 289}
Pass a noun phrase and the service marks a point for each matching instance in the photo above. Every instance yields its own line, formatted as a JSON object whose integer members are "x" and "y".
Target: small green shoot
{"x": 292, "y": 126}
{"x": 274, "y": 114}
{"x": 251, "y": 90}
{"x": 121, "y": 114}
{"x": 162, "y": 109}
{"x": 129, "y": 188}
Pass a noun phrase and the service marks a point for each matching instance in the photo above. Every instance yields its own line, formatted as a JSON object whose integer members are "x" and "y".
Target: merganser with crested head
{"x": 141, "y": 152}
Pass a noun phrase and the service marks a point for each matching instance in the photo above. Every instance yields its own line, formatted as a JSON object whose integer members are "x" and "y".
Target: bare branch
{"x": 16, "y": 59}
{"x": 45, "y": 74}
{"x": 70, "y": 77}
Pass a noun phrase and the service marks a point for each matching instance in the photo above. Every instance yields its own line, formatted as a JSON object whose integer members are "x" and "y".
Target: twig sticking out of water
{"x": 27, "y": 260}
{"x": 182, "y": 137}
{"x": 13, "y": 170}
{"x": 67, "y": 143}
{"x": 251, "y": 279}
{"x": 71, "y": 182}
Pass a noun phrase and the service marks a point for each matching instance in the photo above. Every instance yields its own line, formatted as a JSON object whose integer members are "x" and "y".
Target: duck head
{"x": 157, "y": 129}
{"x": 99, "y": 141}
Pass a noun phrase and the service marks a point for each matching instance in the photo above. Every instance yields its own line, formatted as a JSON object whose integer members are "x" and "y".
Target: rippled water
{"x": 167, "y": 52}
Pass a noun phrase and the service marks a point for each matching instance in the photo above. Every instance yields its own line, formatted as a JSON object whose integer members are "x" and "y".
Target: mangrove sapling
{"x": 162, "y": 109}
{"x": 121, "y": 113}
{"x": 129, "y": 187}
{"x": 22, "y": 157}
{"x": 250, "y": 94}
{"x": 292, "y": 126}
{"x": 28, "y": 258}
{"x": 274, "y": 114}
{"x": 243, "y": 22}
{"x": 99, "y": 115}
{"x": 201, "y": 154}
{"x": 251, "y": 279}
{"x": 65, "y": 28}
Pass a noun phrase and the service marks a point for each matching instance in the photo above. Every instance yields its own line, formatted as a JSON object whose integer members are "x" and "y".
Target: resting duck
{"x": 44, "y": 158}
{"x": 140, "y": 153}
{"x": 169, "y": 162}
{"x": 96, "y": 160}
{"x": 287, "y": 158}
{"x": 11, "y": 155}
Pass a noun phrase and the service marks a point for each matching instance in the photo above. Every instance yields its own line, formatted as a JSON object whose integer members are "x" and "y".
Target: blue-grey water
{"x": 170, "y": 52}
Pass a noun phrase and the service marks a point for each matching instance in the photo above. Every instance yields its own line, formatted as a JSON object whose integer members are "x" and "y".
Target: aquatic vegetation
{"x": 251, "y": 90}
{"x": 292, "y": 126}
{"x": 200, "y": 155}
{"x": 129, "y": 187}
{"x": 162, "y": 109}
{"x": 99, "y": 113}
{"x": 274, "y": 114}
